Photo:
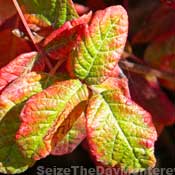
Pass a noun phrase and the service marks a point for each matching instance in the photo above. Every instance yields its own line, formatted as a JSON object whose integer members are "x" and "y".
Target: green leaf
{"x": 44, "y": 113}
{"x": 120, "y": 133}
{"x": 96, "y": 55}
{"x": 11, "y": 102}
{"x": 11, "y": 159}
{"x": 66, "y": 11}
{"x": 55, "y": 12}
{"x": 64, "y": 141}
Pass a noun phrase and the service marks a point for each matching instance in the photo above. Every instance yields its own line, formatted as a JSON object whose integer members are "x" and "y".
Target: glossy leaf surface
{"x": 11, "y": 103}
{"x": 120, "y": 133}
{"x": 46, "y": 112}
{"x": 97, "y": 54}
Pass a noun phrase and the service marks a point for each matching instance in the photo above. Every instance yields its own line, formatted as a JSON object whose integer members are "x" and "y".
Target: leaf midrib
{"x": 121, "y": 132}
{"x": 98, "y": 49}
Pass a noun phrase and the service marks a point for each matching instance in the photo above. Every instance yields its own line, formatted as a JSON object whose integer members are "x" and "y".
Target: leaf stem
{"x": 133, "y": 57}
{"x": 55, "y": 68}
{"x": 24, "y": 21}
{"x": 30, "y": 34}
{"x": 145, "y": 70}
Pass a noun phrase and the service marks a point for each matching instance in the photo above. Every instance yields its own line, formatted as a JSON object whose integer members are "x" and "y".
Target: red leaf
{"x": 67, "y": 26}
{"x": 148, "y": 94}
{"x": 160, "y": 22}
{"x": 81, "y": 9}
{"x": 7, "y": 10}
{"x": 20, "y": 65}
{"x": 170, "y": 3}
{"x": 65, "y": 141}
{"x": 160, "y": 55}
{"x": 39, "y": 65}
{"x": 167, "y": 64}
{"x": 59, "y": 43}
{"x": 11, "y": 46}
{"x": 38, "y": 25}
{"x": 61, "y": 46}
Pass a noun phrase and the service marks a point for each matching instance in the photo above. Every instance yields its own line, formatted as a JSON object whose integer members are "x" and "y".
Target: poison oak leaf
{"x": 59, "y": 43}
{"x": 55, "y": 12}
{"x": 67, "y": 13}
{"x": 120, "y": 133}
{"x": 20, "y": 65}
{"x": 22, "y": 88}
{"x": 81, "y": 9}
{"x": 153, "y": 27}
{"x": 97, "y": 54}
{"x": 40, "y": 27}
{"x": 4, "y": 13}
{"x": 85, "y": 19}
{"x": 161, "y": 55}
{"x": 41, "y": 114}
{"x": 44, "y": 113}
{"x": 33, "y": 19}
{"x": 148, "y": 94}
{"x": 65, "y": 141}
{"x": 170, "y": 3}
{"x": 61, "y": 46}
{"x": 11, "y": 103}
{"x": 11, "y": 159}
{"x": 11, "y": 46}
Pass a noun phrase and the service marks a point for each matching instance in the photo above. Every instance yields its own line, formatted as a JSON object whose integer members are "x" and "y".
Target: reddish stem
{"x": 56, "y": 67}
{"x": 145, "y": 70}
{"x": 133, "y": 57}
{"x": 30, "y": 33}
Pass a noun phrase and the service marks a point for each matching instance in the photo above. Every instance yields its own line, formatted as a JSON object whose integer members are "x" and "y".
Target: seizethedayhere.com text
{"x": 80, "y": 170}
